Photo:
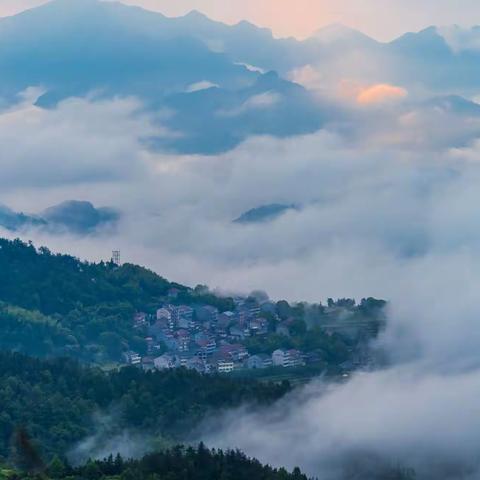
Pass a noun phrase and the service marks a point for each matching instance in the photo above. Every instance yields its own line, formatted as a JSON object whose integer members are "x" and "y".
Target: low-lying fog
{"x": 388, "y": 206}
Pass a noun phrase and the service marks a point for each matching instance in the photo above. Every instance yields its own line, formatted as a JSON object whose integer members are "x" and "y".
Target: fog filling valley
{"x": 387, "y": 206}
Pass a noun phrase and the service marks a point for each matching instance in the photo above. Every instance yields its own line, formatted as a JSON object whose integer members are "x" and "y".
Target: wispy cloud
{"x": 199, "y": 86}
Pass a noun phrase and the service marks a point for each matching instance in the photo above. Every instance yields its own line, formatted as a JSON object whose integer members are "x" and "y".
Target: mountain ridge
{"x": 115, "y": 50}
{"x": 196, "y": 14}
{"x": 72, "y": 49}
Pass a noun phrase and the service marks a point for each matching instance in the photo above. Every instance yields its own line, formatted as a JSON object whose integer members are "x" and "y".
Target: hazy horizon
{"x": 302, "y": 18}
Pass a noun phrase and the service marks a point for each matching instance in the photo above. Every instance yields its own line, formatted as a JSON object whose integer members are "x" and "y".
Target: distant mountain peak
{"x": 196, "y": 14}
{"x": 264, "y": 213}
{"x": 336, "y": 28}
{"x": 247, "y": 26}
{"x": 338, "y": 32}
{"x": 426, "y": 33}
{"x": 78, "y": 217}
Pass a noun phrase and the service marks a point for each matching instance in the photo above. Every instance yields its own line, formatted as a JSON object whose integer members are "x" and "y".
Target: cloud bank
{"x": 427, "y": 423}
{"x": 387, "y": 207}
{"x": 80, "y": 142}
{"x": 377, "y": 194}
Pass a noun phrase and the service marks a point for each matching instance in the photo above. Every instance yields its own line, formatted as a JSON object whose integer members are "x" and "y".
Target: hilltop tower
{"x": 116, "y": 257}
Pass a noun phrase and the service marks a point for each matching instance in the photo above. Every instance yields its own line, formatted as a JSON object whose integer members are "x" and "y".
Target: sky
{"x": 301, "y": 18}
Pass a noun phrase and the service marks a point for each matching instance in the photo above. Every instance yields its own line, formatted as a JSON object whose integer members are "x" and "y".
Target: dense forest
{"x": 181, "y": 463}
{"x": 178, "y": 463}
{"x": 55, "y": 401}
{"x": 339, "y": 334}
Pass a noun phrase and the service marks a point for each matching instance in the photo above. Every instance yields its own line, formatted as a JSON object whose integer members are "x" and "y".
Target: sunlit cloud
{"x": 381, "y": 93}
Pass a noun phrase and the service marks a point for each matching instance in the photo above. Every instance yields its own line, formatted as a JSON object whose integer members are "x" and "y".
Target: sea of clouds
{"x": 388, "y": 207}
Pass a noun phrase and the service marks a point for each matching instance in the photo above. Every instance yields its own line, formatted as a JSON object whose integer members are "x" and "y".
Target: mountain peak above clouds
{"x": 264, "y": 213}
{"x": 79, "y": 216}
{"x": 336, "y": 33}
{"x": 429, "y": 39}
{"x": 196, "y": 15}
{"x": 72, "y": 216}
{"x": 75, "y": 47}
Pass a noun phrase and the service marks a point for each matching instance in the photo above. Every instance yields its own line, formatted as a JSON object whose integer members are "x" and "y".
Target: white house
{"x": 132, "y": 358}
{"x": 166, "y": 361}
{"x": 225, "y": 366}
{"x": 259, "y": 361}
{"x": 288, "y": 358}
{"x": 279, "y": 358}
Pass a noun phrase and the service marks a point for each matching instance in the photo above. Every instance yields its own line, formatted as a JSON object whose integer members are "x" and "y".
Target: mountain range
{"x": 75, "y": 48}
{"x": 218, "y": 83}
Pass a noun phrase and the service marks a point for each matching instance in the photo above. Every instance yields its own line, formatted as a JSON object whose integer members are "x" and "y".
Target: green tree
{"x": 56, "y": 468}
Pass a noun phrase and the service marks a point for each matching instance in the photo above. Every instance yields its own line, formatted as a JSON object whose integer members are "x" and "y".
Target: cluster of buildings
{"x": 207, "y": 340}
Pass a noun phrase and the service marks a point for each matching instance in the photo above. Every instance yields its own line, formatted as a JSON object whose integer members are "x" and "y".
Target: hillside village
{"x": 105, "y": 314}
{"x": 256, "y": 334}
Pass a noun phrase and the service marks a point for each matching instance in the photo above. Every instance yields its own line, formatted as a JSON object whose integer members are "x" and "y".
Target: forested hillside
{"x": 57, "y": 401}
{"x": 62, "y": 321}
{"x": 54, "y": 304}
{"x": 57, "y": 305}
